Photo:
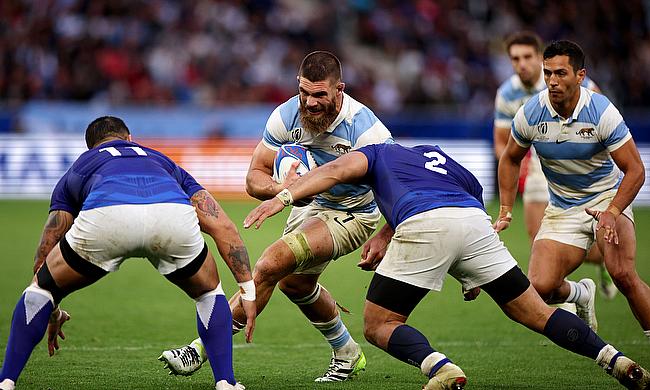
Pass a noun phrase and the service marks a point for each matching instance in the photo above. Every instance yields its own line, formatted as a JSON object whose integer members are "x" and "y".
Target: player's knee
{"x": 45, "y": 282}
{"x": 624, "y": 279}
{"x": 371, "y": 328}
{"x": 266, "y": 272}
{"x": 299, "y": 292}
{"x": 545, "y": 288}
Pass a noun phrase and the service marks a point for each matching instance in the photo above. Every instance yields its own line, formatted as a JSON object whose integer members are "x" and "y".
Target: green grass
{"x": 120, "y": 325}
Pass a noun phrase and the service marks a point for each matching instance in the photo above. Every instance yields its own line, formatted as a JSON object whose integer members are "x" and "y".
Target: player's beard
{"x": 318, "y": 124}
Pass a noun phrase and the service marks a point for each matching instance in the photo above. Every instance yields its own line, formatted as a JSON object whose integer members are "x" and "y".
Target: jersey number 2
{"x": 437, "y": 159}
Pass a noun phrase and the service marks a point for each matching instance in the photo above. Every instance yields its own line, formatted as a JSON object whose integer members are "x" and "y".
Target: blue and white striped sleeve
{"x": 612, "y": 130}
{"x": 275, "y": 132}
{"x": 520, "y": 129}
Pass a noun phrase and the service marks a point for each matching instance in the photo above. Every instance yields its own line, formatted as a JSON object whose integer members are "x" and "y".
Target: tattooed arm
{"x": 214, "y": 221}
{"x": 57, "y": 224}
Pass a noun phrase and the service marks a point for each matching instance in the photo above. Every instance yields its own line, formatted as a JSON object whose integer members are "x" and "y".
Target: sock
{"x": 607, "y": 358}
{"x": 432, "y": 363}
{"x": 337, "y": 335}
{"x": 197, "y": 344}
{"x": 578, "y": 294}
{"x": 28, "y": 327}
{"x": 570, "y": 332}
{"x": 410, "y": 346}
{"x": 214, "y": 322}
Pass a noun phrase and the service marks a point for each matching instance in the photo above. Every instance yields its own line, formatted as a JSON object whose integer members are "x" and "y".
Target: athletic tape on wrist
{"x": 247, "y": 290}
{"x": 285, "y": 197}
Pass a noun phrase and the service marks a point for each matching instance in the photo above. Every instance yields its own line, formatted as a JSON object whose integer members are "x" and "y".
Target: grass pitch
{"x": 121, "y": 324}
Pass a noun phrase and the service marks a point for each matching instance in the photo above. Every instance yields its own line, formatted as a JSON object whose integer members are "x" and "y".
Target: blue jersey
{"x": 122, "y": 172}
{"x": 409, "y": 181}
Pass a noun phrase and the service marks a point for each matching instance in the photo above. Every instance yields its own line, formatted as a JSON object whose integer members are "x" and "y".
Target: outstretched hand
{"x": 250, "y": 308}
{"x": 502, "y": 222}
{"x": 373, "y": 252}
{"x": 267, "y": 209}
{"x": 57, "y": 319}
{"x": 606, "y": 220}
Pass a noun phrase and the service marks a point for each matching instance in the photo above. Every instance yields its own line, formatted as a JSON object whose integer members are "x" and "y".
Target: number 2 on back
{"x": 436, "y": 159}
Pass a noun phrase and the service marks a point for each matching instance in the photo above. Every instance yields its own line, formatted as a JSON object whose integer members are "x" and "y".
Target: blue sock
{"x": 570, "y": 332}
{"x": 409, "y": 345}
{"x": 214, "y": 322}
{"x": 28, "y": 327}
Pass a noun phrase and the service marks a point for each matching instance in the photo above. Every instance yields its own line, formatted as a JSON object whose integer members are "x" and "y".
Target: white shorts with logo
{"x": 348, "y": 230}
{"x": 535, "y": 186}
{"x": 455, "y": 240}
{"x": 167, "y": 234}
{"x": 573, "y": 226}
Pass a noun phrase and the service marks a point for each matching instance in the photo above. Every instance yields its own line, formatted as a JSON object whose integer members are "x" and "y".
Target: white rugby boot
{"x": 629, "y": 373}
{"x": 448, "y": 377}
{"x": 587, "y": 312}
{"x": 224, "y": 385}
{"x": 342, "y": 368}
{"x": 7, "y": 384}
{"x": 185, "y": 360}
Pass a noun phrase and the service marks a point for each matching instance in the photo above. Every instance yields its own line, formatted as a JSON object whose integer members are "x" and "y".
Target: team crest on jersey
{"x": 296, "y": 134}
{"x": 586, "y": 132}
{"x": 542, "y": 128}
{"x": 341, "y": 149}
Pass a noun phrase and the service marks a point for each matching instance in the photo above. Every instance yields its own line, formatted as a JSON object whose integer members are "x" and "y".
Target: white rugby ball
{"x": 289, "y": 154}
{"x": 285, "y": 157}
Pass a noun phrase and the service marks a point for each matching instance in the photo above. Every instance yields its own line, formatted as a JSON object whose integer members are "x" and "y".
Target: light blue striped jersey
{"x": 354, "y": 127}
{"x": 574, "y": 152}
{"x": 512, "y": 94}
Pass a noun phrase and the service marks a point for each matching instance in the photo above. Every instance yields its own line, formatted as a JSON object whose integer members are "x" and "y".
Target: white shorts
{"x": 167, "y": 234}
{"x": 573, "y": 226}
{"x": 455, "y": 240}
{"x": 535, "y": 186}
{"x": 348, "y": 231}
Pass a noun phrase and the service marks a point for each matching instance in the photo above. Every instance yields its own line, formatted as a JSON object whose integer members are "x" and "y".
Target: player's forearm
{"x": 345, "y": 169}
{"x": 57, "y": 224}
{"x": 214, "y": 221}
{"x": 629, "y": 188}
{"x": 500, "y": 137}
{"x": 234, "y": 254}
{"x": 261, "y": 185}
{"x": 386, "y": 232}
{"x": 508, "y": 174}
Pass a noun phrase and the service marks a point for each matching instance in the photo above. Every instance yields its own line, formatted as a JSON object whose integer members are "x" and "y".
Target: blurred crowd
{"x": 395, "y": 53}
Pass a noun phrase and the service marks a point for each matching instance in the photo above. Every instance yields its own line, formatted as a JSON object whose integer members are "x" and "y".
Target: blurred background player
{"x": 525, "y": 52}
{"x": 120, "y": 200}
{"x": 584, "y": 145}
{"x": 437, "y": 224}
{"x": 330, "y": 123}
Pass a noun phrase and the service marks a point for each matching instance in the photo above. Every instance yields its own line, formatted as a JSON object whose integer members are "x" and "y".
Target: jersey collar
{"x": 582, "y": 102}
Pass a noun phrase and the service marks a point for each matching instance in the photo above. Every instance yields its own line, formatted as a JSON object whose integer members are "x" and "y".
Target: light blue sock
{"x": 335, "y": 332}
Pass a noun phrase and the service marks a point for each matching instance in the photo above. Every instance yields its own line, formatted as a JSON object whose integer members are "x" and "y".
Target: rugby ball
{"x": 287, "y": 155}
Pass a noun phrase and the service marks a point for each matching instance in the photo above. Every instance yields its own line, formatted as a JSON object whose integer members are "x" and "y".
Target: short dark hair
{"x": 104, "y": 127}
{"x": 319, "y": 66}
{"x": 527, "y": 38}
{"x": 569, "y": 49}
